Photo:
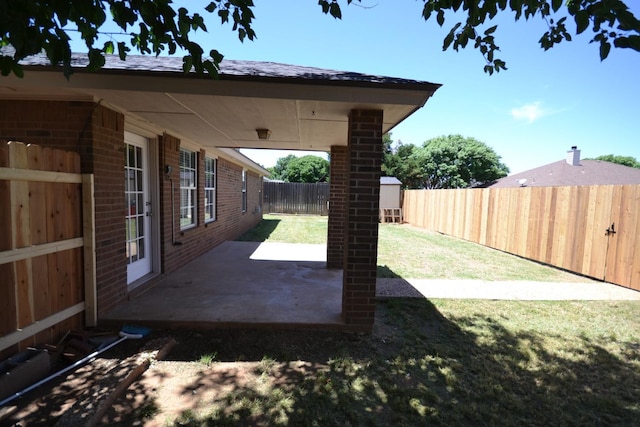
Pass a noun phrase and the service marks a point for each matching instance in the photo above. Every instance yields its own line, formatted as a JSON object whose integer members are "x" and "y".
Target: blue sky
{"x": 530, "y": 114}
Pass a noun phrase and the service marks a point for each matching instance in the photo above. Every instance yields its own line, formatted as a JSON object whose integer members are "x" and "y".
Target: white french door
{"x": 138, "y": 213}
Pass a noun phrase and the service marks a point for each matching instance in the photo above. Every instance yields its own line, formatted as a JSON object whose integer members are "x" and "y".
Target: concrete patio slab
{"x": 243, "y": 284}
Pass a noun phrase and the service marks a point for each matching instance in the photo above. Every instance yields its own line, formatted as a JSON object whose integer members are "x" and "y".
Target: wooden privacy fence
{"x": 591, "y": 230}
{"x": 295, "y": 198}
{"x": 47, "y": 247}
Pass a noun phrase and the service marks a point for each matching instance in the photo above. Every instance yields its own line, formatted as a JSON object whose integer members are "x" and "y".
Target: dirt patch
{"x": 206, "y": 369}
{"x": 170, "y": 390}
{"x": 83, "y": 395}
{"x": 202, "y": 368}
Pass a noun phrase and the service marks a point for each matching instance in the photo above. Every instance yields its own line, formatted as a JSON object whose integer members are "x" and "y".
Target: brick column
{"x": 361, "y": 236}
{"x": 337, "y": 207}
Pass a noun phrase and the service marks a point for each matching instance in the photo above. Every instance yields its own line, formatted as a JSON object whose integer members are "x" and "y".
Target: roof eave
{"x": 400, "y": 92}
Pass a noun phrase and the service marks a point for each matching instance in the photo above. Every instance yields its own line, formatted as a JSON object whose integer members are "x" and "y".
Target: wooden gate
{"x": 47, "y": 248}
{"x": 623, "y": 237}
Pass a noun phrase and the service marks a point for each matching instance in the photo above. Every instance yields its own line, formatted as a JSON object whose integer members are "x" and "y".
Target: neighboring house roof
{"x": 588, "y": 172}
{"x": 389, "y": 180}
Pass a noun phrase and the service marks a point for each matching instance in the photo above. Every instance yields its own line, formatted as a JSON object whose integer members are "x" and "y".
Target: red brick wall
{"x": 361, "y": 237}
{"x": 230, "y": 221}
{"x": 106, "y": 155}
{"x": 97, "y": 133}
{"x": 337, "y": 207}
{"x": 58, "y": 124}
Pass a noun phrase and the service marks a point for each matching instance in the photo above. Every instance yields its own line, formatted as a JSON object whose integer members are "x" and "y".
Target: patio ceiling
{"x": 304, "y": 108}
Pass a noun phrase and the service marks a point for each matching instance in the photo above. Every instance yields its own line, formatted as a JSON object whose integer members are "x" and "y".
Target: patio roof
{"x": 305, "y": 108}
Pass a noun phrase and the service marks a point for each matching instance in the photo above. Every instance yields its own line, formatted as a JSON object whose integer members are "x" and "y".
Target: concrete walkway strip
{"x": 504, "y": 290}
{"x": 464, "y": 289}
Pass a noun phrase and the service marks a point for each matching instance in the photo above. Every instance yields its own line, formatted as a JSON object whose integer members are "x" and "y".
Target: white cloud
{"x": 529, "y": 112}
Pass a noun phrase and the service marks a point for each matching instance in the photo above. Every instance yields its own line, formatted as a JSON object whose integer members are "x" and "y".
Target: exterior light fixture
{"x": 263, "y": 133}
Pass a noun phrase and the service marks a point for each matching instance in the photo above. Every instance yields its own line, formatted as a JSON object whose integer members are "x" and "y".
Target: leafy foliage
{"x": 398, "y": 161}
{"x": 156, "y": 26}
{"x": 444, "y": 162}
{"x": 277, "y": 171}
{"x": 457, "y": 162}
{"x": 308, "y": 168}
{"x": 610, "y": 21}
{"x": 621, "y": 160}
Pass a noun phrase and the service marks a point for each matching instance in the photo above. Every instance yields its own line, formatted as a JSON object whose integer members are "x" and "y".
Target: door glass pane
{"x": 134, "y": 195}
{"x": 140, "y": 226}
{"x": 140, "y": 204}
{"x": 132, "y": 154}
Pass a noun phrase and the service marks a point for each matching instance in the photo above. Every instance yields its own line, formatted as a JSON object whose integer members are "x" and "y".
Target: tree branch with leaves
{"x": 31, "y": 27}
{"x": 155, "y": 27}
{"x": 610, "y": 22}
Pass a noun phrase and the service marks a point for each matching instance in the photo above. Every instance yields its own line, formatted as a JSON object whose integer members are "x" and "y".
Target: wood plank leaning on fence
{"x": 47, "y": 248}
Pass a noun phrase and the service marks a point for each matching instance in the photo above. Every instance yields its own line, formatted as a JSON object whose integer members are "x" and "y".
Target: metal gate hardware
{"x": 611, "y": 230}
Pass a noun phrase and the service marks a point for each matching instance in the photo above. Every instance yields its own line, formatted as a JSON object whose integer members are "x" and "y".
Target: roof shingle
{"x": 228, "y": 68}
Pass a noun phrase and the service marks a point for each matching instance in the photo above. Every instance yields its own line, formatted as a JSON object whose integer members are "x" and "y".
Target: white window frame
{"x": 210, "y": 177}
{"x": 244, "y": 190}
{"x": 188, "y": 189}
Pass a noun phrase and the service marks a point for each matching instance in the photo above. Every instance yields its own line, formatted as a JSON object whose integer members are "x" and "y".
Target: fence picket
{"x": 560, "y": 226}
{"x": 296, "y": 198}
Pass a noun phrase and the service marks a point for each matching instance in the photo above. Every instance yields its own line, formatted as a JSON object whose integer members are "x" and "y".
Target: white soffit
{"x": 226, "y": 113}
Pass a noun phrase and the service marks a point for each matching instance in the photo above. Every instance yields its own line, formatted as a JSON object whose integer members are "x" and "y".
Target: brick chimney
{"x": 573, "y": 156}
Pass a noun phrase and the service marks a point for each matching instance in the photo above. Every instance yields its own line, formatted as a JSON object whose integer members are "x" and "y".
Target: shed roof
{"x": 389, "y": 180}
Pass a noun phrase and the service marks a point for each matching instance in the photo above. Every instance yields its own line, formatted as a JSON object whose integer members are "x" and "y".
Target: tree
{"x": 398, "y": 161}
{"x": 308, "y": 168}
{"x": 610, "y": 21}
{"x": 621, "y": 160}
{"x": 155, "y": 27}
{"x": 278, "y": 171}
{"x": 457, "y": 162}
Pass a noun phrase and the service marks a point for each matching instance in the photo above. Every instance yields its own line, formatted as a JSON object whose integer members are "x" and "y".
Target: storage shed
{"x": 390, "y": 199}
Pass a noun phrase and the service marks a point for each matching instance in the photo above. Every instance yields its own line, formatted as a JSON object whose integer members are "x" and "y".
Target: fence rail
{"x": 47, "y": 256}
{"x": 296, "y": 198}
{"x": 588, "y": 230}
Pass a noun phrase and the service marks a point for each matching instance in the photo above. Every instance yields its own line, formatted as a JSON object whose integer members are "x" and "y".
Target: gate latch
{"x": 611, "y": 230}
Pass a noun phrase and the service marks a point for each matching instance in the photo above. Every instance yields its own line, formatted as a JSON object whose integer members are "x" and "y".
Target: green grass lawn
{"x": 427, "y": 362}
{"x": 412, "y": 253}
{"x": 440, "y": 362}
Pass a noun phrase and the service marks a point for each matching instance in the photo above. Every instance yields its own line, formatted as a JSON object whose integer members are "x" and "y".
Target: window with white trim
{"x": 209, "y": 189}
{"x": 188, "y": 183}
{"x": 244, "y": 191}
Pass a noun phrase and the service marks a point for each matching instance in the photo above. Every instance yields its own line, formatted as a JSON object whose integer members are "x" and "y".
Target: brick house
{"x": 187, "y": 188}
